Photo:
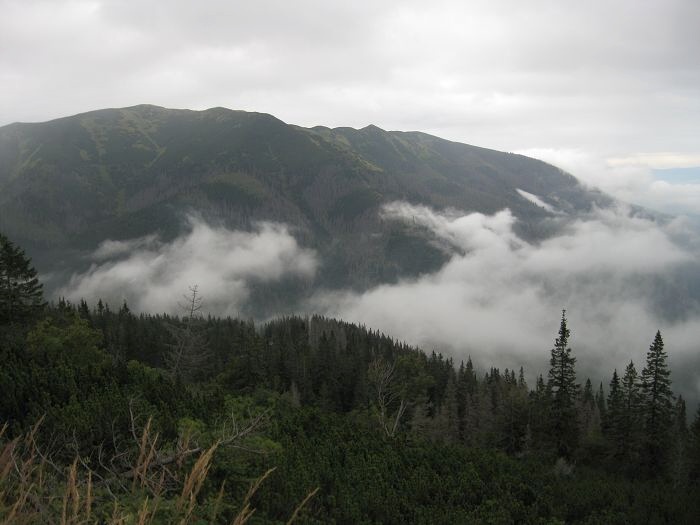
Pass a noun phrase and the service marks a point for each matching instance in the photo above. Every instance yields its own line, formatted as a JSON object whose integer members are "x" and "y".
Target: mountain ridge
{"x": 119, "y": 173}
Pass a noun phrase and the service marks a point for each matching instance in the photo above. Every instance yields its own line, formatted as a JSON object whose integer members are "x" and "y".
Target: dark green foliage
{"x": 539, "y": 415}
{"x": 563, "y": 391}
{"x": 512, "y": 415}
{"x": 657, "y": 401}
{"x": 324, "y": 432}
{"x": 629, "y": 443}
{"x": 591, "y": 445}
{"x": 678, "y": 449}
{"x": 600, "y": 401}
{"x": 614, "y": 421}
{"x": 21, "y": 296}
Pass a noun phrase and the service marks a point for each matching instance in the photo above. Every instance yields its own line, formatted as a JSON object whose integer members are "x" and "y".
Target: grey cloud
{"x": 151, "y": 276}
{"x": 507, "y": 75}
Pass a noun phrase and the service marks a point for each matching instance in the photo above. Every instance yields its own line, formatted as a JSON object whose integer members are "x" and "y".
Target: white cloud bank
{"x": 152, "y": 276}
{"x": 499, "y": 298}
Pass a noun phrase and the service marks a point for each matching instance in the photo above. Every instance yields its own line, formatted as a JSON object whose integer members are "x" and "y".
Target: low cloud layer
{"x": 499, "y": 298}
{"x": 152, "y": 276}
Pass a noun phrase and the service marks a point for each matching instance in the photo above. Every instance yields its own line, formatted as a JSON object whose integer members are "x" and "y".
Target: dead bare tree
{"x": 189, "y": 352}
{"x": 398, "y": 385}
{"x": 382, "y": 375}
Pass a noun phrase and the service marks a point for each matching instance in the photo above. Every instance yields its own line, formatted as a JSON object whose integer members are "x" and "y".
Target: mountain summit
{"x": 68, "y": 184}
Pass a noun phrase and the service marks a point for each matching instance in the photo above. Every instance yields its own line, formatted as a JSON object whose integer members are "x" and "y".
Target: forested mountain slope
{"x": 67, "y": 184}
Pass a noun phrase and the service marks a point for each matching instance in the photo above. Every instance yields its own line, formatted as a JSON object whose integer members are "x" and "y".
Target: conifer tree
{"x": 614, "y": 417}
{"x": 446, "y": 422}
{"x": 521, "y": 379}
{"x": 630, "y": 431}
{"x": 600, "y": 402}
{"x": 657, "y": 401}
{"x": 513, "y": 415}
{"x": 20, "y": 290}
{"x": 588, "y": 396}
{"x": 563, "y": 392}
{"x": 472, "y": 422}
{"x": 589, "y": 425}
{"x": 421, "y": 422}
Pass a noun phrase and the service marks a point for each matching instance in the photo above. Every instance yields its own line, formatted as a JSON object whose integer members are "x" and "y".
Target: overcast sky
{"x": 606, "y": 90}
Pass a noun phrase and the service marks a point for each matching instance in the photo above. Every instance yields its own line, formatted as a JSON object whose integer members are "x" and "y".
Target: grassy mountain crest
{"x": 67, "y": 184}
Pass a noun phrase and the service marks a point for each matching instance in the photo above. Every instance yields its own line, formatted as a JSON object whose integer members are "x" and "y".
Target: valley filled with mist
{"x": 432, "y": 242}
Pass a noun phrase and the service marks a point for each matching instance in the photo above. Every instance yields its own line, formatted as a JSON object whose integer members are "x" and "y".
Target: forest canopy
{"x": 106, "y": 415}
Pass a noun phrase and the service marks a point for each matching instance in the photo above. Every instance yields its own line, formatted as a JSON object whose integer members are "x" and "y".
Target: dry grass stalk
{"x": 143, "y": 512}
{"x": 31, "y": 438}
{"x": 148, "y": 460}
{"x": 71, "y": 496}
{"x": 301, "y": 505}
{"x": 34, "y": 489}
{"x": 142, "y": 452}
{"x": 194, "y": 481}
{"x": 160, "y": 486}
{"x": 247, "y": 511}
{"x": 217, "y": 503}
{"x": 7, "y": 458}
{"x": 146, "y": 515}
{"x": 88, "y": 497}
{"x": 244, "y": 515}
{"x": 115, "y": 508}
{"x": 18, "y": 506}
{"x": 183, "y": 445}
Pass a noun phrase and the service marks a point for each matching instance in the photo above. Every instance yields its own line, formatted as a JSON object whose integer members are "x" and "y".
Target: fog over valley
{"x": 151, "y": 276}
{"x": 619, "y": 274}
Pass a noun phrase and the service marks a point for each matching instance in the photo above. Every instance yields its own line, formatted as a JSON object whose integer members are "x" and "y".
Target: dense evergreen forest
{"x": 107, "y": 416}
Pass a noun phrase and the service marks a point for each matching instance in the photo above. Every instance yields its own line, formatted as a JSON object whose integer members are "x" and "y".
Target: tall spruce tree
{"x": 631, "y": 422}
{"x": 563, "y": 391}
{"x": 614, "y": 417}
{"x": 657, "y": 405}
{"x": 600, "y": 402}
{"x": 20, "y": 290}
